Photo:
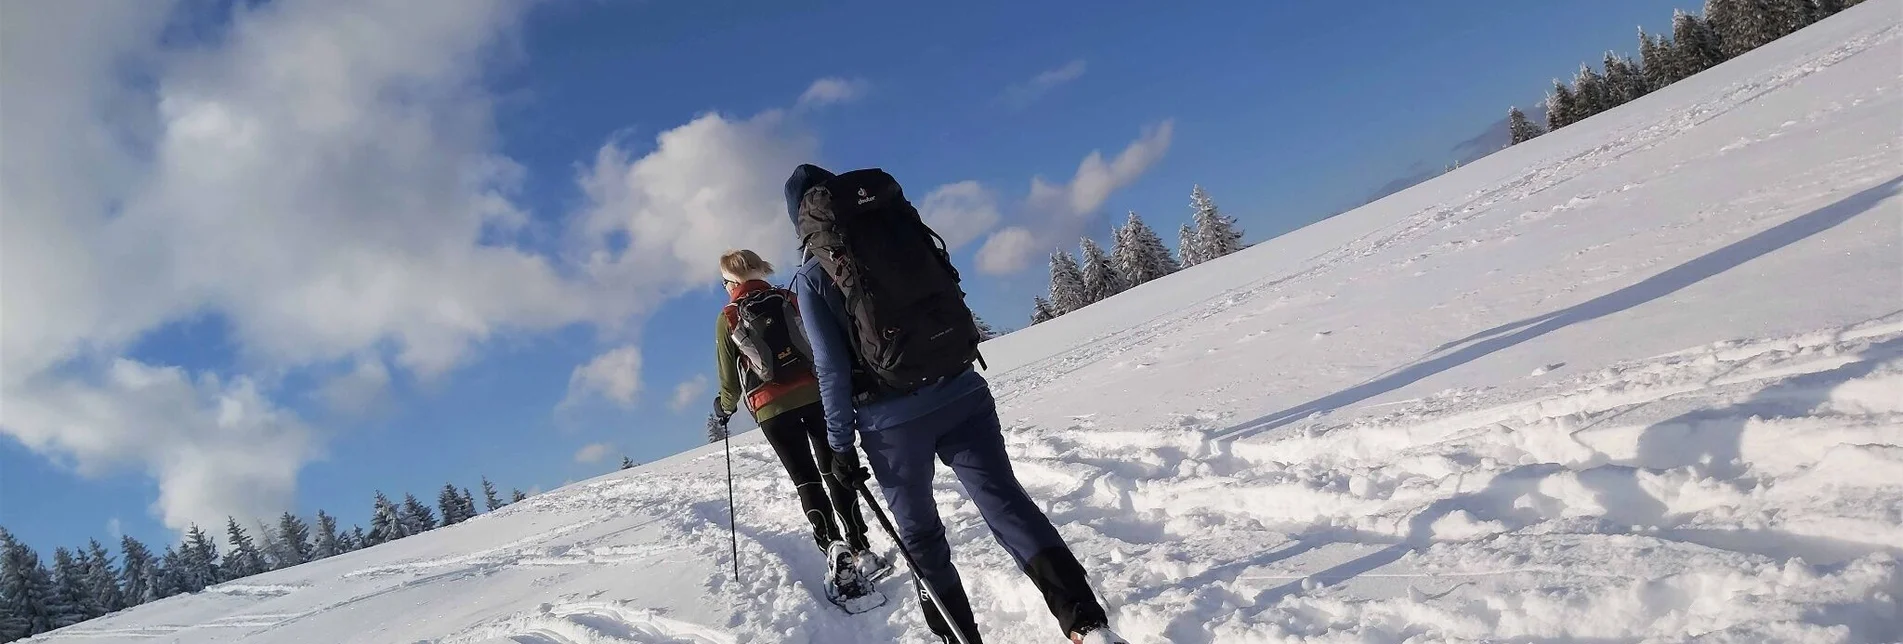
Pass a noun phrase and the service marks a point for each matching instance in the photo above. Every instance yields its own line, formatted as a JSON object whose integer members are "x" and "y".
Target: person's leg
{"x": 787, "y": 434}
{"x": 901, "y": 460}
{"x": 975, "y": 451}
{"x": 852, "y": 524}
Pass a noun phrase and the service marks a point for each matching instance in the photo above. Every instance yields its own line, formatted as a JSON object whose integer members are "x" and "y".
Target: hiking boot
{"x": 1099, "y": 634}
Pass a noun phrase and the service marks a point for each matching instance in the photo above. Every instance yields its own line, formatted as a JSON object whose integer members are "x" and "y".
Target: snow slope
{"x": 1640, "y": 379}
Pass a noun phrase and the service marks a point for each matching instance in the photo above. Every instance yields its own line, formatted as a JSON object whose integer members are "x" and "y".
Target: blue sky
{"x": 461, "y": 252}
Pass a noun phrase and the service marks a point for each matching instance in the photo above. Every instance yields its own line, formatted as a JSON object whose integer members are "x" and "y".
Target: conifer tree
{"x": 716, "y": 431}
{"x": 985, "y": 330}
{"x": 293, "y": 543}
{"x": 489, "y": 499}
{"x": 469, "y": 505}
{"x": 451, "y": 503}
{"x": 1625, "y": 82}
{"x": 1589, "y": 93}
{"x": 1561, "y": 107}
{"x": 1041, "y": 311}
{"x": 198, "y": 565}
{"x": 1067, "y": 284}
{"x": 325, "y": 544}
{"x": 1138, "y": 254}
{"x": 171, "y": 573}
{"x": 417, "y": 517}
{"x": 386, "y": 523}
{"x": 627, "y": 463}
{"x": 358, "y": 540}
{"x": 516, "y": 496}
{"x": 1188, "y": 249}
{"x": 1100, "y": 278}
{"x": 1521, "y": 129}
{"x": 28, "y": 597}
{"x": 102, "y": 580}
{"x": 1657, "y": 59}
{"x": 72, "y": 604}
{"x": 1216, "y": 233}
{"x": 244, "y": 559}
{"x": 1697, "y": 45}
{"x": 138, "y": 574}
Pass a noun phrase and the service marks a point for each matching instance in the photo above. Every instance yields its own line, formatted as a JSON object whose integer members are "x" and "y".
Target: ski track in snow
{"x": 1643, "y": 444}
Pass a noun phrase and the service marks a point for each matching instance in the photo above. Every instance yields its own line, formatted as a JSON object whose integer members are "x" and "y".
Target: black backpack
{"x": 909, "y": 323}
{"x": 766, "y": 329}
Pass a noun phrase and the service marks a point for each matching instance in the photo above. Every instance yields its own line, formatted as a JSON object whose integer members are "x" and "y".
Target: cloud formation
{"x": 688, "y": 393}
{"x": 1056, "y": 213}
{"x": 593, "y": 453}
{"x": 615, "y": 376}
{"x": 831, "y": 90}
{"x": 960, "y": 212}
{"x": 1023, "y": 94}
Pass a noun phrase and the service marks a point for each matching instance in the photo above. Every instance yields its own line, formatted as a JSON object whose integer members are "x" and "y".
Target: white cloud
{"x": 960, "y": 212}
{"x": 360, "y": 390}
{"x": 216, "y": 447}
{"x": 1058, "y": 212}
{"x": 115, "y": 529}
{"x": 1025, "y": 93}
{"x": 593, "y": 453}
{"x": 707, "y": 186}
{"x": 689, "y": 392}
{"x": 320, "y": 178}
{"x": 1007, "y": 251}
{"x": 830, "y": 90}
{"x": 614, "y": 375}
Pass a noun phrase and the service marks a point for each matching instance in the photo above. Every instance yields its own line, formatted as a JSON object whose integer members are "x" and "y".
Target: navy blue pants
{"x": 965, "y": 436}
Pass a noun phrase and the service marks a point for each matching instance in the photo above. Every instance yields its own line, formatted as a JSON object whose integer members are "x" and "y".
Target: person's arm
{"x": 724, "y": 353}
{"x": 832, "y": 353}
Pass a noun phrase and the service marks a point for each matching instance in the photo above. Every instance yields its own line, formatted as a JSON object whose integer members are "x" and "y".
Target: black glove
{"x": 847, "y": 470}
{"x": 721, "y": 414}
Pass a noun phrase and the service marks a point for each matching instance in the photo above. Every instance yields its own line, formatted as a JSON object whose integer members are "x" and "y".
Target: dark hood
{"x": 805, "y": 176}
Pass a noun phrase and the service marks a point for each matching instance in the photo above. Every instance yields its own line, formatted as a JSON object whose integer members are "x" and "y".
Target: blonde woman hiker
{"x": 764, "y": 361}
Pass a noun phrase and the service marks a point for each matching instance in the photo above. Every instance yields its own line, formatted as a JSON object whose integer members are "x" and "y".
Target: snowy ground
{"x": 1638, "y": 380}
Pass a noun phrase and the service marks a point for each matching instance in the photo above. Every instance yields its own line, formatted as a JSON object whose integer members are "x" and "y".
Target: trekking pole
{"x": 958, "y": 630}
{"x": 733, "y": 532}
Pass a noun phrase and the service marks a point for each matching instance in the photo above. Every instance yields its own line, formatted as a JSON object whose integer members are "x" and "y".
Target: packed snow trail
{"x": 1640, "y": 379}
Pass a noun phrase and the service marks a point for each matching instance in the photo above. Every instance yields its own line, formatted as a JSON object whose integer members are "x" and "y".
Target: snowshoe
{"x": 1097, "y": 635}
{"x": 871, "y": 566}
{"x": 845, "y": 586}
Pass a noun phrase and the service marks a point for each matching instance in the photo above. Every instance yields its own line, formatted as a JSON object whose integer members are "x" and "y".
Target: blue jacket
{"x": 822, "y": 307}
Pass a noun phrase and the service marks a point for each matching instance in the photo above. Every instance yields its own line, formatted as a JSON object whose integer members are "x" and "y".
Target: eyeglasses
{"x": 727, "y": 282}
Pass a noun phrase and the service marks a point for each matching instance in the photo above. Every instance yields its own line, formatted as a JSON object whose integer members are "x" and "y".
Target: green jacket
{"x": 768, "y": 401}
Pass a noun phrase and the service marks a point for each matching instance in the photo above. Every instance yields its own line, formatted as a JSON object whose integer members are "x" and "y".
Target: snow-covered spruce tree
{"x": 138, "y": 572}
{"x": 1041, "y": 311}
{"x": 1696, "y": 45}
{"x": 1067, "y": 284}
{"x": 469, "y": 505}
{"x": 416, "y": 515}
{"x": 1138, "y": 254}
{"x": 1188, "y": 250}
{"x": 489, "y": 500}
{"x": 627, "y": 463}
{"x": 1216, "y": 233}
{"x": 28, "y": 597}
{"x": 324, "y": 543}
{"x": 1101, "y": 280}
{"x": 292, "y": 545}
{"x": 716, "y": 431}
{"x": 1520, "y": 128}
{"x": 450, "y": 502}
{"x": 72, "y": 604}
{"x": 244, "y": 559}
{"x": 198, "y": 561}
{"x": 357, "y": 541}
{"x": 1589, "y": 90}
{"x": 1560, "y": 106}
{"x": 386, "y": 523}
{"x": 985, "y": 330}
{"x": 516, "y": 496}
{"x": 1625, "y": 82}
{"x": 1656, "y": 58}
{"x": 102, "y": 580}
{"x": 171, "y": 578}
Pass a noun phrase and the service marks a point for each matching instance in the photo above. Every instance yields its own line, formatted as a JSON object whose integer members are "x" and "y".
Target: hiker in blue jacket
{"x": 954, "y": 420}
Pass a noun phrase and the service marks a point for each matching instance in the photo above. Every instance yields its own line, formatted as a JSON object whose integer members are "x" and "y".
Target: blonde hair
{"x": 743, "y": 264}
